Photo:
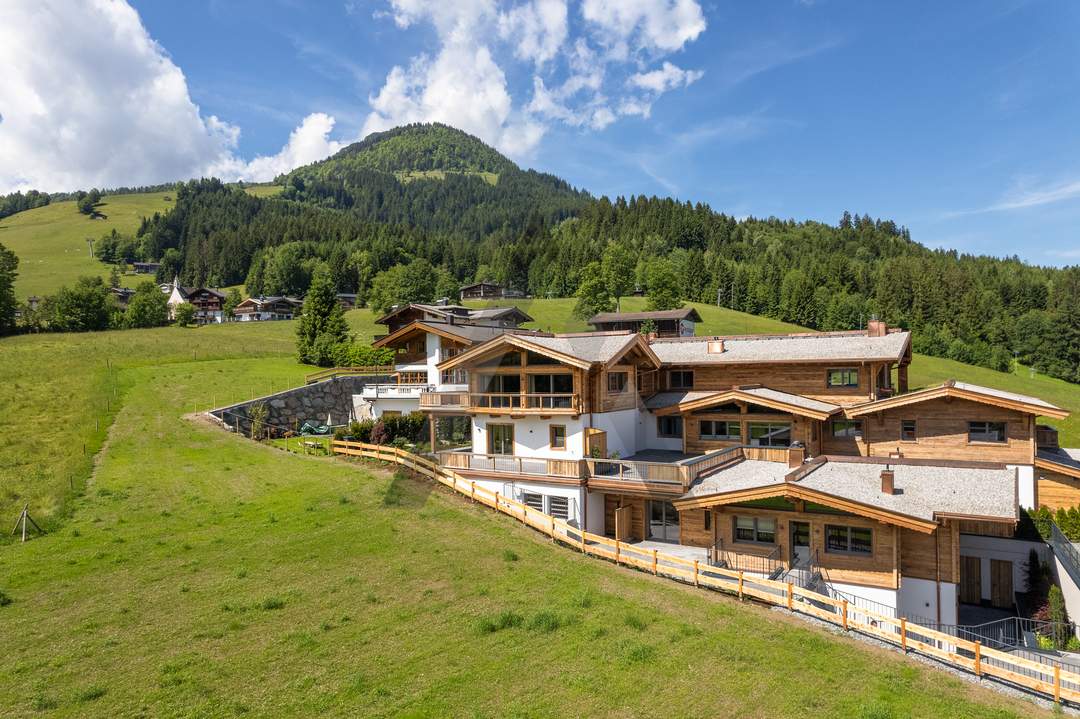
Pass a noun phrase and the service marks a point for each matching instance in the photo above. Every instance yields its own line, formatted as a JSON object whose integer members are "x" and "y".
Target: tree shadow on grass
{"x": 406, "y": 491}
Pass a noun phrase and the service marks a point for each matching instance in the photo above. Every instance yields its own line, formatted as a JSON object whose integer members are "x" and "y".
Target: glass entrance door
{"x": 663, "y": 521}
{"x": 800, "y": 543}
{"x": 500, "y": 439}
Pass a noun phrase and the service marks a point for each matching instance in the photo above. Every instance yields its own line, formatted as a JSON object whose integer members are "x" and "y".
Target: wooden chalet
{"x": 668, "y": 323}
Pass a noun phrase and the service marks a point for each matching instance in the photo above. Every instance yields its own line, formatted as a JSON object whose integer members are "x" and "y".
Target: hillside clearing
{"x": 205, "y": 575}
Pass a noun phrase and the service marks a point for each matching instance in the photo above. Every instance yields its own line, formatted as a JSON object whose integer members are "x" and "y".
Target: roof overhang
{"x": 638, "y": 343}
{"x": 501, "y": 343}
{"x": 792, "y": 490}
{"x": 419, "y": 326}
{"x": 949, "y": 391}
{"x": 737, "y": 395}
{"x": 1068, "y": 470}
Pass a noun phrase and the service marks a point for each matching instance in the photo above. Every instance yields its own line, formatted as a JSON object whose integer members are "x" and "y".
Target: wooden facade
{"x": 809, "y": 379}
{"x": 1056, "y": 490}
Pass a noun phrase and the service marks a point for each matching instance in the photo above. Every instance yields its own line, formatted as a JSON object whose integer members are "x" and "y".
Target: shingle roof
{"x": 684, "y": 313}
{"x": 783, "y": 348}
{"x": 473, "y": 333}
{"x": 1012, "y": 396}
{"x": 796, "y": 400}
{"x": 668, "y": 399}
{"x": 923, "y": 491}
{"x": 599, "y": 347}
{"x": 1065, "y": 456}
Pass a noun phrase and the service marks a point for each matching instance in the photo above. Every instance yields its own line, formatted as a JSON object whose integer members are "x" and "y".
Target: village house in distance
{"x": 804, "y": 457}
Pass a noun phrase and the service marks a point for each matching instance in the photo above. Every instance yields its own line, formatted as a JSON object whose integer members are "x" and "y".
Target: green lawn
{"x": 203, "y": 575}
{"x": 51, "y": 245}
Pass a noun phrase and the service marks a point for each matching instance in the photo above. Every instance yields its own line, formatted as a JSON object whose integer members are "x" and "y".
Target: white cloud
{"x": 666, "y": 78}
{"x": 627, "y": 26}
{"x": 90, "y": 99}
{"x": 580, "y": 81}
{"x": 1024, "y": 196}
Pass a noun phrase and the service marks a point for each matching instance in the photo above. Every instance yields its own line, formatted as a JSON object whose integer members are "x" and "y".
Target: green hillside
{"x": 200, "y": 574}
{"x": 51, "y": 245}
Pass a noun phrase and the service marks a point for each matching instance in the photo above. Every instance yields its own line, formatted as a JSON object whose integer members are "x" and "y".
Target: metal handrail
{"x": 764, "y": 564}
{"x": 1065, "y": 551}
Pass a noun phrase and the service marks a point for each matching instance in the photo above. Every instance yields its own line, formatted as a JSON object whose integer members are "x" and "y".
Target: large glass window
{"x": 986, "y": 432}
{"x": 848, "y": 540}
{"x": 843, "y": 377}
{"x": 551, "y": 383}
{"x": 663, "y": 521}
{"x": 770, "y": 434}
{"x": 761, "y": 530}
{"x": 719, "y": 430}
{"x": 669, "y": 426}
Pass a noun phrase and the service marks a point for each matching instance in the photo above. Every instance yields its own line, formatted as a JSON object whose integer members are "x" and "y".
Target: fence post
{"x": 580, "y": 534}
{"x": 978, "y": 659}
{"x": 790, "y": 591}
{"x": 497, "y": 509}
{"x": 844, "y": 608}
{"x": 903, "y": 634}
{"x": 695, "y": 572}
{"x": 654, "y": 561}
{"x": 618, "y": 551}
{"x": 472, "y": 490}
{"x": 1057, "y": 684}
{"x": 552, "y": 528}
{"x": 740, "y": 583}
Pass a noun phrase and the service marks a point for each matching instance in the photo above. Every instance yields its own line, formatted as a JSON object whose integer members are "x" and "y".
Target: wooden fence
{"x": 1049, "y": 681}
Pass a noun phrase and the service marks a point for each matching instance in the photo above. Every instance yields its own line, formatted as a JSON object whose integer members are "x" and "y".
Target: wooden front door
{"x": 1001, "y": 584}
{"x": 970, "y": 580}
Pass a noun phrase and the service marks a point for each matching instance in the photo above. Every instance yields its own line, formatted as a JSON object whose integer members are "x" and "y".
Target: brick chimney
{"x": 876, "y": 328}
{"x": 888, "y": 481}
{"x": 795, "y": 456}
{"x": 716, "y": 346}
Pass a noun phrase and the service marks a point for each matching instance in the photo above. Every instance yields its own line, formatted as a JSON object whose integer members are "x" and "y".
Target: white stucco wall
{"x": 594, "y": 517}
{"x": 1012, "y": 550}
{"x": 647, "y": 438}
{"x": 621, "y": 428}
{"x": 886, "y": 597}
{"x": 1025, "y": 480}
{"x": 918, "y": 598}
{"x": 532, "y": 436}
{"x": 576, "y": 494}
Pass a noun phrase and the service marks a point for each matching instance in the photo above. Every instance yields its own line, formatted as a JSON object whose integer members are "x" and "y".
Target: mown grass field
{"x": 202, "y": 575}
{"x": 50, "y": 241}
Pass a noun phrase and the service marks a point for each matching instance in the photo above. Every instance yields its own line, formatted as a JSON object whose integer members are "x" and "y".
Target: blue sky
{"x": 957, "y": 120}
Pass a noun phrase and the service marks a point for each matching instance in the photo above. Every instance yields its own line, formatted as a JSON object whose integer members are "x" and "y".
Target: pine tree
{"x": 322, "y": 321}
{"x": 8, "y": 264}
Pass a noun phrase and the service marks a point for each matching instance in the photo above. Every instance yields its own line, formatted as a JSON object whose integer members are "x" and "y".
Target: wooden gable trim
{"x": 947, "y": 392}
{"x": 1051, "y": 466}
{"x": 517, "y": 341}
{"x": 415, "y": 325}
{"x": 737, "y": 396}
{"x": 793, "y": 490}
{"x": 638, "y": 342}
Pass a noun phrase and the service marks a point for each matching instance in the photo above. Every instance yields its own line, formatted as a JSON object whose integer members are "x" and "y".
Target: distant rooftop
{"x": 684, "y": 313}
{"x": 810, "y": 347}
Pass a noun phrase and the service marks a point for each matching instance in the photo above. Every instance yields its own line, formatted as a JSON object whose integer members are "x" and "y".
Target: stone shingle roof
{"x": 796, "y": 400}
{"x": 596, "y": 347}
{"x": 668, "y": 399}
{"x": 748, "y": 474}
{"x": 784, "y": 348}
{"x": 685, "y": 313}
{"x": 1011, "y": 396}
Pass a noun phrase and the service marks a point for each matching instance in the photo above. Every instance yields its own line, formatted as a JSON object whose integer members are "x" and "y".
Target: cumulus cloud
{"x": 582, "y": 81}
{"x": 90, "y": 99}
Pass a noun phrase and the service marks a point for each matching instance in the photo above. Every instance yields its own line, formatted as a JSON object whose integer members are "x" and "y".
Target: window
{"x": 412, "y": 377}
{"x": 616, "y": 382}
{"x": 755, "y": 529}
{"x": 454, "y": 376}
{"x": 708, "y": 520}
{"x": 847, "y": 428}
{"x": 770, "y": 434}
{"x": 986, "y": 432}
{"x": 717, "y": 429}
{"x": 557, "y": 436}
{"x": 845, "y": 377}
{"x": 551, "y": 383}
{"x": 559, "y": 507}
{"x": 500, "y": 438}
{"x": 907, "y": 430}
{"x": 669, "y": 426}
{"x": 681, "y": 379}
{"x": 501, "y": 383}
{"x": 533, "y": 501}
{"x": 848, "y": 540}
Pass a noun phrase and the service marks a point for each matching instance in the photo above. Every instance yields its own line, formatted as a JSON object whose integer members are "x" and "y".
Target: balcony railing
{"x": 677, "y": 475}
{"x": 436, "y": 400}
{"x": 767, "y": 562}
{"x": 511, "y": 464}
{"x": 511, "y": 402}
{"x": 394, "y": 391}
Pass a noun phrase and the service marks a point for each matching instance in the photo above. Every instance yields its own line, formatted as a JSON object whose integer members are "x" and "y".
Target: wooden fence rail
{"x": 1052, "y": 682}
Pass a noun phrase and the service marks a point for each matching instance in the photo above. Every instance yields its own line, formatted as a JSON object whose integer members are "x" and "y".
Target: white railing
{"x": 394, "y": 391}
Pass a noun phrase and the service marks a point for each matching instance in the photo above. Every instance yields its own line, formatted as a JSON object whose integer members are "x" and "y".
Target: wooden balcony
{"x": 524, "y": 403}
{"x": 641, "y": 474}
{"x": 444, "y": 401}
{"x": 506, "y": 464}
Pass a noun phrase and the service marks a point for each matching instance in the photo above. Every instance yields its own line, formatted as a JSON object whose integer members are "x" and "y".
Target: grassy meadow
{"x": 50, "y": 241}
{"x": 199, "y": 574}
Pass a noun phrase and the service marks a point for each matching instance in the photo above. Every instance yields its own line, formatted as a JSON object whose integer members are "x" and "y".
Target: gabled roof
{"x": 684, "y": 313}
{"x": 463, "y": 333}
{"x": 755, "y": 394}
{"x": 579, "y": 350}
{"x": 925, "y": 492}
{"x": 273, "y": 299}
{"x": 962, "y": 390}
{"x": 1064, "y": 461}
{"x": 806, "y": 347}
{"x": 467, "y": 314}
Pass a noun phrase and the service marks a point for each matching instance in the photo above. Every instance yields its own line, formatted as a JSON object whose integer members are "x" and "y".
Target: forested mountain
{"x": 434, "y": 195}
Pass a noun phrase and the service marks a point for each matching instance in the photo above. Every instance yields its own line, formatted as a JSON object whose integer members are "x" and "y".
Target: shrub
{"x": 505, "y": 620}
{"x": 4, "y": 599}
{"x": 545, "y": 621}
{"x": 379, "y": 435}
{"x": 510, "y": 555}
{"x": 271, "y": 603}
